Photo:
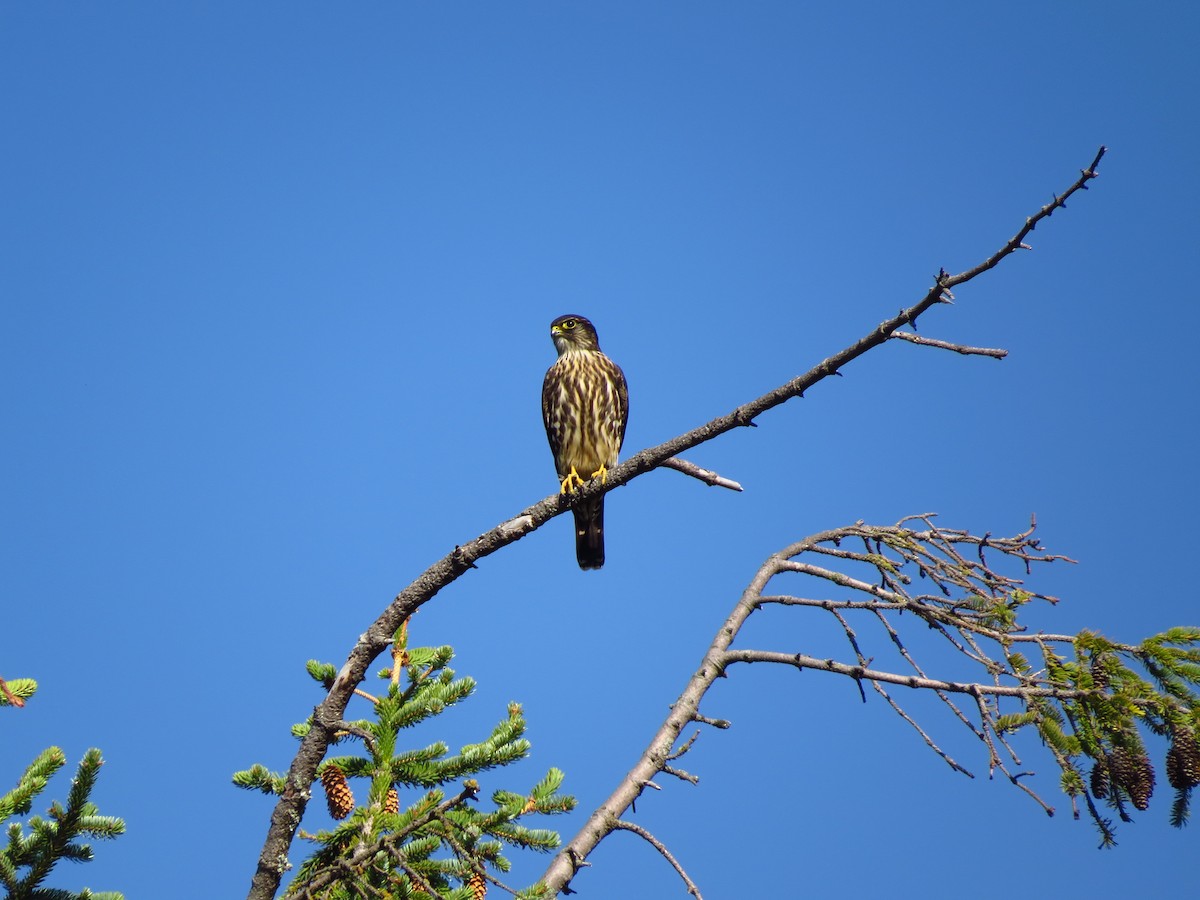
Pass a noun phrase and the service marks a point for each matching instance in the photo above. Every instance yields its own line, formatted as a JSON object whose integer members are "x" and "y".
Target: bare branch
{"x": 929, "y": 742}
{"x": 685, "y": 746}
{"x": 1017, "y": 241}
{"x": 681, "y": 774}
{"x": 852, "y": 637}
{"x": 710, "y": 478}
{"x": 293, "y": 800}
{"x": 620, "y": 825}
{"x": 800, "y": 661}
{"x": 995, "y": 353}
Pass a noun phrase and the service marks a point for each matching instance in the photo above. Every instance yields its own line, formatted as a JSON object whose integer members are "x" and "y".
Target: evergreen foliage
{"x": 1109, "y": 703}
{"x": 17, "y": 691}
{"x": 29, "y": 856}
{"x": 441, "y": 846}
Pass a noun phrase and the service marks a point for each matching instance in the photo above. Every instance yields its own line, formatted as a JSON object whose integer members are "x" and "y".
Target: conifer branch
{"x": 57, "y": 837}
{"x": 15, "y": 692}
{"x": 289, "y": 811}
{"x": 435, "y": 841}
{"x": 348, "y": 868}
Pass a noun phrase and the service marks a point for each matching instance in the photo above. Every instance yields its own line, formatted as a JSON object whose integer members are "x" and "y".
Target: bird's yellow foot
{"x": 571, "y": 483}
{"x": 602, "y": 472}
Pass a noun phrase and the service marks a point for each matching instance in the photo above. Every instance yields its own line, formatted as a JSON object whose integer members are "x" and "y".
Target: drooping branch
{"x": 286, "y": 816}
{"x": 1087, "y": 709}
{"x": 945, "y": 570}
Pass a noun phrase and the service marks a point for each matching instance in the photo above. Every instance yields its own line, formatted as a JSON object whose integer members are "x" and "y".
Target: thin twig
{"x": 658, "y": 845}
{"x": 993, "y": 352}
{"x": 349, "y": 728}
{"x": 899, "y": 644}
{"x": 708, "y": 477}
{"x": 681, "y": 774}
{"x": 929, "y": 742}
{"x": 685, "y": 746}
{"x": 801, "y": 661}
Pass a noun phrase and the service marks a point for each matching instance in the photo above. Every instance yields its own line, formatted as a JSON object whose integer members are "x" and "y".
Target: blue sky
{"x": 276, "y": 284}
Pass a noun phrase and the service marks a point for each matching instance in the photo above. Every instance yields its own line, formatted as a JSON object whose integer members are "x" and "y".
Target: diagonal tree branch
{"x": 288, "y": 811}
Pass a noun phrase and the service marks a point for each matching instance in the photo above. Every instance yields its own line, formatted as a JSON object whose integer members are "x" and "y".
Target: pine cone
{"x": 1100, "y": 779}
{"x": 478, "y": 885}
{"x": 1099, "y": 673}
{"x": 1183, "y": 760}
{"x": 1122, "y": 767}
{"x": 1141, "y": 790}
{"x": 391, "y": 805}
{"x": 1133, "y": 773}
{"x": 337, "y": 792}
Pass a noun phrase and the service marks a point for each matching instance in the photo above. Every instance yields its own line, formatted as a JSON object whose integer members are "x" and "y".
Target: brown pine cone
{"x": 1100, "y": 779}
{"x": 1133, "y": 773}
{"x": 478, "y": 885}
{"x": 1183, "y": 760}
{"x": 337, "y": 792}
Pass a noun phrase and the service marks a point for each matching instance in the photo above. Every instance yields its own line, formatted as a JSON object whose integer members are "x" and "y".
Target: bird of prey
{"x": 585, "y": 406}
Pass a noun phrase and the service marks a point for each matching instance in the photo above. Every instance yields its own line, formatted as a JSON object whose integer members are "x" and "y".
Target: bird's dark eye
{"x": 570, "y": 323}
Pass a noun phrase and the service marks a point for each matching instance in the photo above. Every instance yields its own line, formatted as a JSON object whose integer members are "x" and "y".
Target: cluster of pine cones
{"x": 1132, "y": 772}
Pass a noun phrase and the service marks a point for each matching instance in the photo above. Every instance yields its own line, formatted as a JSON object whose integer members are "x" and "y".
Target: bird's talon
{"x": 571, "y": 483}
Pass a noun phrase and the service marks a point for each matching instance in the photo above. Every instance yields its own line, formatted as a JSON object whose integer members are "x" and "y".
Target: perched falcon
{"x": 585, "y": 406}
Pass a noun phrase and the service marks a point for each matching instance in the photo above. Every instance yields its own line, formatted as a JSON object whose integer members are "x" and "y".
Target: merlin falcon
{"x": 585, "y": 406}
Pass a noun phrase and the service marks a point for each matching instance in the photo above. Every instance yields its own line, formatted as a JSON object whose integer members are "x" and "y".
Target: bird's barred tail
{"x": 589, "y": 534}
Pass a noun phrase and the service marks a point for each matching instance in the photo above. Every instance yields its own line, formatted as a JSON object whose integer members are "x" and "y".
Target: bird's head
{"x": 572, "y": 333}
